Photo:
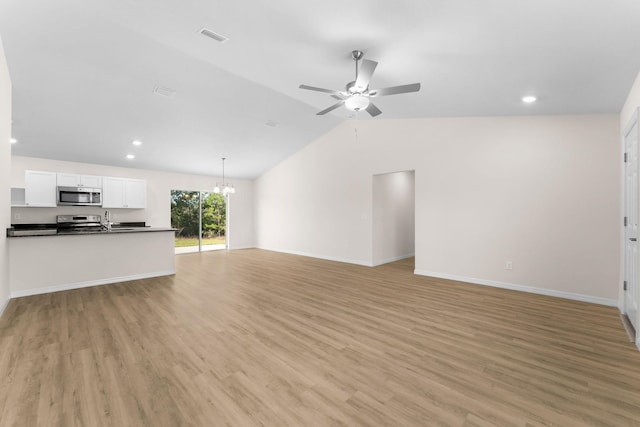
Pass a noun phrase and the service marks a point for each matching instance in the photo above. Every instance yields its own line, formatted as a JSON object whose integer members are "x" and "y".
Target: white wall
{"x": 541, "y": 192}
{"x": 5, "y": 167}
{"x": 318, "y": 201}
{"x": 631, "y": 104}
{"x": 159, "y": 186}
{"x": 393, "y": 216}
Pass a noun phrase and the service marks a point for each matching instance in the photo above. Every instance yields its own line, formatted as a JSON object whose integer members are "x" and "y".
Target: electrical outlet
{"x": 508, "y": 265}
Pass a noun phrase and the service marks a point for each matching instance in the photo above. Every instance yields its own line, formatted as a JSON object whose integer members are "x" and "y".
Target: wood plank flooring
{"x": 251, "y": 337}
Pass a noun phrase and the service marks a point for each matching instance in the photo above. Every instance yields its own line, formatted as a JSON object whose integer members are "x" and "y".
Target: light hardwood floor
{"x": 253, "y": 337}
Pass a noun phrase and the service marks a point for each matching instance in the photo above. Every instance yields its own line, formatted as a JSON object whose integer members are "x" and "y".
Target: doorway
{"x": 200, "y": 219}
{"x": 630, "y": 283}
{"x": 393, "y": 216}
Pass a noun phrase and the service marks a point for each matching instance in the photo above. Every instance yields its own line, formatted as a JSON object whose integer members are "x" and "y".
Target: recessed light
{"x": 13, "y": 140}
{"x": 130, "y": 156}
{"x": 136, "y": 143}
{"x": 529, "y": 99}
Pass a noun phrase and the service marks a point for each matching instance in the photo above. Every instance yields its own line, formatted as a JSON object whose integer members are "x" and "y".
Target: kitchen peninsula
{"x": 49, "y": 262}
{"x": 64, "y": 235}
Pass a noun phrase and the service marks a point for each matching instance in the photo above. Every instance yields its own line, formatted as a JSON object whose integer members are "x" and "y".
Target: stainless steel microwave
{"x": 79, "y": 196}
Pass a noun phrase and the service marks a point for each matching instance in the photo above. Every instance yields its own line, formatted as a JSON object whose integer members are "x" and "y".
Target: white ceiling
{"x": 83, "y": 71}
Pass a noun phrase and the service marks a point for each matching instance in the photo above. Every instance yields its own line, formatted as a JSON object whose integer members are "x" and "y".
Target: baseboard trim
{"x": 237, "y": 248}
{"x": 522, "y": 288}
{"x": 328, "y": 258}
{"x": 87, "y": 284}
{"x": 394, "y": 259}
{"x": 628, "y": 327}
{"x": 4, "y": 305}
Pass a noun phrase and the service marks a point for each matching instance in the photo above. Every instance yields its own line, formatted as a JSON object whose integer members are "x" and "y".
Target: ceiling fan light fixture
{"x": 357, "y": 102}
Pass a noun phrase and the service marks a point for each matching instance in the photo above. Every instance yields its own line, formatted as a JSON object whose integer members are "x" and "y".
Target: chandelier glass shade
{"x": 224, "y": 187}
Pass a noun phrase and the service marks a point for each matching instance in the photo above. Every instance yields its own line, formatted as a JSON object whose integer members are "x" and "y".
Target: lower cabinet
{"x": 124, "y": 193}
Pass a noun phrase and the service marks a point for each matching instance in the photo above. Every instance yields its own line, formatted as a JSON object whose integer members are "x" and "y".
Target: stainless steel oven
{"x": 79, "y": 196}
{"x": 75, "y": 224}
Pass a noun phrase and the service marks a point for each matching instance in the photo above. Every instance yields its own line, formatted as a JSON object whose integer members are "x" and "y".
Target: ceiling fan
{"x": 357, "y": 96}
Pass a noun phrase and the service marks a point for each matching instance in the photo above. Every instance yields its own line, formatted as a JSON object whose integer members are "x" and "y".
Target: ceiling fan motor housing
{"x": 351, "y": 88}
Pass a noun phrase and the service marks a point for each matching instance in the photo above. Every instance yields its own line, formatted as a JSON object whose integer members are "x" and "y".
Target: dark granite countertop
{"x": 38, "y": 230}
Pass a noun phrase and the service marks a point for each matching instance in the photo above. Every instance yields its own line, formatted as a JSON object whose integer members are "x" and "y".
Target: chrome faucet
{"x": 107, "y": 221}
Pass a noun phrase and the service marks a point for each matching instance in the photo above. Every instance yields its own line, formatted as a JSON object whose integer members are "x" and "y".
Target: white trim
{"x": 621, "y": 261}
{"x": 328, "y": 258}
{"x": 78, "y": 285}
{"x": 623, "y": 145}
{"x": 394, "y": 259}
{"x": 638, "y": 343}
{"x": 235, "y": 248}
{"x": 530, "y": 289}
{"x": 4, "y": 306}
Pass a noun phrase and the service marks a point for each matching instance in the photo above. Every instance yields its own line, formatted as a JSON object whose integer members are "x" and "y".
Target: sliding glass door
{"x": 200, "y": 218}
{"x": 214, "y": 221}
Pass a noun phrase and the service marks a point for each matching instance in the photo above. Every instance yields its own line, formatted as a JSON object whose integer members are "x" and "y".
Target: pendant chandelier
{"x": 225, "y": 188}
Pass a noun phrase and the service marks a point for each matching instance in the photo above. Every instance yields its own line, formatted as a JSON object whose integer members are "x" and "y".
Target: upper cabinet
{"x": 40, "y": 189}
{"x": 124, "y": 193}
{"x": 74, "y": 180}
{"x": 135, "y": 193}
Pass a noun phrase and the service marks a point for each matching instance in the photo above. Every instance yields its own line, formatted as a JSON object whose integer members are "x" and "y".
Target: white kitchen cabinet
{"x": 75, "y": 180}
{"x": 40, "y": 189}
{"x": 135, "y": 193}
{"x": 124, "y": 193}
{"x": 17, "y": 197}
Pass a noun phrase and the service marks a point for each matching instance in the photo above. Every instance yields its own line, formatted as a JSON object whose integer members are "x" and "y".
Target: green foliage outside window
{"x": 185, "y": 206}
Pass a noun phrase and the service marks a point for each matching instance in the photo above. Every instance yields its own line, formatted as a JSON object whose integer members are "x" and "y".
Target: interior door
{"x": 631, "y": 228}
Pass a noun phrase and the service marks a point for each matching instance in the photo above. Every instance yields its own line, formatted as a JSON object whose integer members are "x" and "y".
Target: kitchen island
{"x": 45, "y": 261}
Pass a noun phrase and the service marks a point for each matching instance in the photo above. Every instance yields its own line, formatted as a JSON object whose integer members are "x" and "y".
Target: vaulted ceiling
{"x": 84, "y": 71}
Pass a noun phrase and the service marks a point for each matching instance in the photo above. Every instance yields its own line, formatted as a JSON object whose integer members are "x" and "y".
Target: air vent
{"x": 164, "y": 91}
{"x": 213, "y": 35}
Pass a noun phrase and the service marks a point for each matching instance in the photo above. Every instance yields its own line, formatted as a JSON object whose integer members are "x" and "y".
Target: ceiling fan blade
{"x": 364, "y": 74}
{"x": 318, "y": 89}
{"x": 414, "y": 87}
{"x": 339, "y": 96}
{"x": 333, "y": 107}
{"x": 373, "y": 110}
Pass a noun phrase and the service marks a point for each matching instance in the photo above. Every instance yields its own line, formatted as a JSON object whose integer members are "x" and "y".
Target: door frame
{"x": 623, "y": 235}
